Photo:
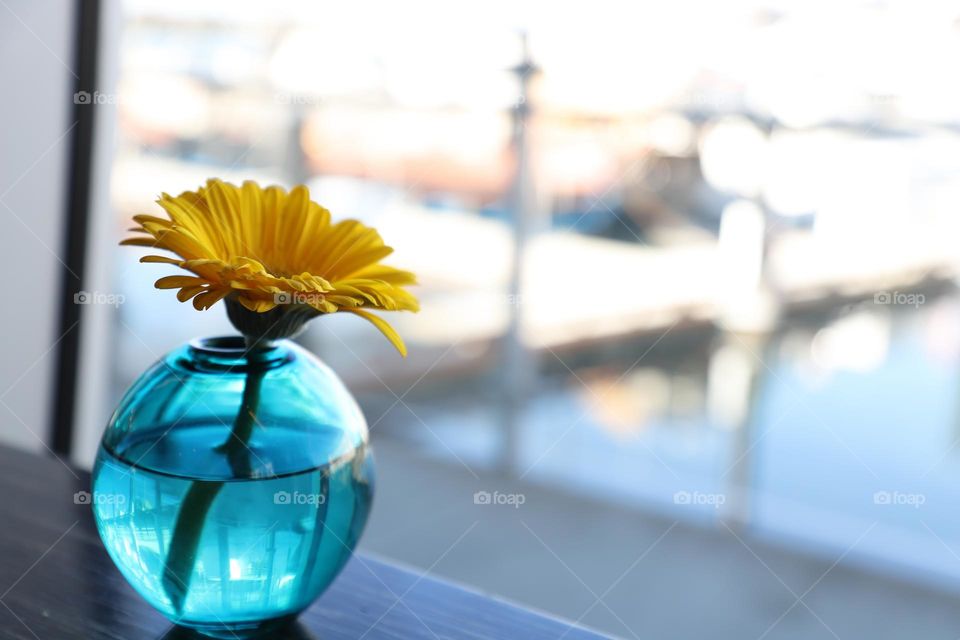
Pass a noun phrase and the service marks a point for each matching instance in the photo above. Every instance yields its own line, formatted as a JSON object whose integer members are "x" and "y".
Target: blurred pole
{"x": 750, "y": 313}
{"x": 518, "y": 365}
{"x": 294, "y": 167}
{"x": 739, "y": 376}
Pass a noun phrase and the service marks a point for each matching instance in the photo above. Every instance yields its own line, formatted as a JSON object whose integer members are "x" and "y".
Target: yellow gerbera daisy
{"x": 275, "y": 256}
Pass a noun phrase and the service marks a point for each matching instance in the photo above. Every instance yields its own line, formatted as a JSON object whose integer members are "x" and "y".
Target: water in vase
{"x": 269, "y": 544}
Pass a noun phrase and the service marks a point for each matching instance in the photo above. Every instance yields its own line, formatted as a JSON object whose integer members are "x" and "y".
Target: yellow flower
{"x": 273, "y": 254}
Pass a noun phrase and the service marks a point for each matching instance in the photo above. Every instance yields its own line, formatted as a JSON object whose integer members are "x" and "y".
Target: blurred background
{"x": 689, "y": 355}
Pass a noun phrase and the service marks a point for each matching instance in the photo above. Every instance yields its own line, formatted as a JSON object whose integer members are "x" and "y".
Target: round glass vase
{"x": 231, "y": 487}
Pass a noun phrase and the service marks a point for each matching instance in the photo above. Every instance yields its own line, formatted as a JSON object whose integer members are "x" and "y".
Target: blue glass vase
{"x": 225, "y": 528}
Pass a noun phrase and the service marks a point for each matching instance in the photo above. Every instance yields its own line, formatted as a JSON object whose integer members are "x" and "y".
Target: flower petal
{"x": 175, "y": 282}
{"x": 385, "y": 328}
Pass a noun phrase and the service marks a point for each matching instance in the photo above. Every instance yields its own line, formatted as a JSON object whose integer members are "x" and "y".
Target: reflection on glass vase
{"x": 231, "y": 487}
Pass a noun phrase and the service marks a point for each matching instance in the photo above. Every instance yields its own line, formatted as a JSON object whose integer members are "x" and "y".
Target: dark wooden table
{"x": 57, "y": 582}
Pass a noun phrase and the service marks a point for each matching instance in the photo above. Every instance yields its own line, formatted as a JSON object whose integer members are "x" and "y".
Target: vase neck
{"x": 231, "y": 353}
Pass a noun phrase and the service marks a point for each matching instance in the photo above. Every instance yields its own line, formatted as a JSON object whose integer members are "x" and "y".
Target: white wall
{"x": 36, "y": 74}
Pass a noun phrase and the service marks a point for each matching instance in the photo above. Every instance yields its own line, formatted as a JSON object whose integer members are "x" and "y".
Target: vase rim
{"x": 235, "y": 346}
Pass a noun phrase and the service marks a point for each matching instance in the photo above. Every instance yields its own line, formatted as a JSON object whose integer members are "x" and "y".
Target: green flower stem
{"x": 182, "y": 553}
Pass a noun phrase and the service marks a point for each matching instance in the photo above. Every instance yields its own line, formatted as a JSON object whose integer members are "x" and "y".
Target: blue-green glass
{"x": 274, "y": 537}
